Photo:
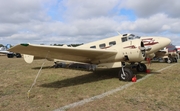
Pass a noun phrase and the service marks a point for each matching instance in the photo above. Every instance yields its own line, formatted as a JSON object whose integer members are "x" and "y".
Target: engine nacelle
{"x": 133, "y": 51}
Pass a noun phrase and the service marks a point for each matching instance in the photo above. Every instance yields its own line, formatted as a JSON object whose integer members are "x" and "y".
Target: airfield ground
{"x": 57, "y": 87}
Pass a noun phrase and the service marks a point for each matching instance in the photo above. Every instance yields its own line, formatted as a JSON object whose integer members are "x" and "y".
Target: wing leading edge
{"x": 63, "y": 53}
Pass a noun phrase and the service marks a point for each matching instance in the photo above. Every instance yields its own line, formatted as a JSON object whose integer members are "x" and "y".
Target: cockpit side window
{"x": 112, "y": 43}
{"x": 132, "y": 37}
{"x": 138, "y": 37}
{"x": 124, "y": 39}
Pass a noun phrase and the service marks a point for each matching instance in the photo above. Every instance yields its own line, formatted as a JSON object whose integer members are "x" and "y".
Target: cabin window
{"x": 112, "y": 43}
{"x": 124, "y": 39}
{"x": 102, "y": 46}
{"x": 93, "y": 47}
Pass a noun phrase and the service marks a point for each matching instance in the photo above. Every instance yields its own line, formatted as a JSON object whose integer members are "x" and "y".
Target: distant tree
{"x": 58, "y": 45}
{"x": 75, "y": 45}
{"x": 1, "y": 45}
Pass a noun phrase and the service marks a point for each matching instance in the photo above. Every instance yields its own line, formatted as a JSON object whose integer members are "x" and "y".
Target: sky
{"x": 82, "y": 21}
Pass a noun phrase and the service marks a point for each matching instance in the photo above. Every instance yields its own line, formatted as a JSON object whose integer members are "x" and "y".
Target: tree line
{"x": 70, "y": 45}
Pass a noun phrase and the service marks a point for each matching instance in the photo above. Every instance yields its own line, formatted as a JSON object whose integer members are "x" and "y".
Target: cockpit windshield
{"x": 132, "y": 36}
{"x": 127, "y": 37}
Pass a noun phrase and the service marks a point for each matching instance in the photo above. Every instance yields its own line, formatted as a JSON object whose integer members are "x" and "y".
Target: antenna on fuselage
{"x": 119, "y": 33}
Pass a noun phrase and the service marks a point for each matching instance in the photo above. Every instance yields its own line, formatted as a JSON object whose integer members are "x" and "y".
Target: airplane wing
{"x": 6, "y": 52}
{"x": 63, "y": 53}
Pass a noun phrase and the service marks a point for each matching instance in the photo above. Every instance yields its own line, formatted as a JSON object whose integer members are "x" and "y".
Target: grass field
{"x": 58, "y": 87}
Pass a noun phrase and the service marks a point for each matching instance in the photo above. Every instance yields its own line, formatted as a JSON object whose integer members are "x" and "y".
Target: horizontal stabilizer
{"x": 28, "y": 58}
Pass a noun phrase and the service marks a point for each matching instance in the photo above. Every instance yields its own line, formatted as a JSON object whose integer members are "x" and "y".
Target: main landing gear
{"x": 126, "y": 74}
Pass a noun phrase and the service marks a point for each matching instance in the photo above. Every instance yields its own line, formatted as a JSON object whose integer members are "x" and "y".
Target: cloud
{"x": 147, "y": 8}
{"x": 82, "y": 21}
{"x": 155, "y": 24}
{"x": 76, "y": 9}
{"x": 17, "y": 11}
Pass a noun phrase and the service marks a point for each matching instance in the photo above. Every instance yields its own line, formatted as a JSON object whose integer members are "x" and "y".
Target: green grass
{"x": 59, "y": 87}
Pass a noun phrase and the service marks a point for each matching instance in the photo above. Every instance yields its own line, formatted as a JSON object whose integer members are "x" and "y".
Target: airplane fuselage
{"x": 153, "y": 42}
{"x": 110, "y": 52}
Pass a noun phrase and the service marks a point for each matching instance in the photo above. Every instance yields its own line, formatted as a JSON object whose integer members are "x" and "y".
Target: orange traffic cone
{"x": 148, "y": 71}
{"x": 134, "y": 79}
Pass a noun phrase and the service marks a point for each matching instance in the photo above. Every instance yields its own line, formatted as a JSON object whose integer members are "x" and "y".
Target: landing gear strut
{"x": 125, "y": 74}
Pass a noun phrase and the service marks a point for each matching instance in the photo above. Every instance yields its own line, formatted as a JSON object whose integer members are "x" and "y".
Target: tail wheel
{"x": 141, "y": 67}
{"x": 126, "y": 76}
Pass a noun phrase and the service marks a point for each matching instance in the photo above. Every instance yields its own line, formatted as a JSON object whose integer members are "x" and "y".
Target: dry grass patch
{"x": 158, "y": 92}
{"x": 54, "y": 87}
{"x": 59, "y": 87}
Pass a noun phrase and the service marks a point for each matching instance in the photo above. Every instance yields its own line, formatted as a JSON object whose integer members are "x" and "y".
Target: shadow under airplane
{"x": 88, "y": 78}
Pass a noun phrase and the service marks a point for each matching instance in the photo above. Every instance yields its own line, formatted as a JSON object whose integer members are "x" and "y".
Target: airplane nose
{"x": 164, "y": 42}
{"x": 159, "y": 43}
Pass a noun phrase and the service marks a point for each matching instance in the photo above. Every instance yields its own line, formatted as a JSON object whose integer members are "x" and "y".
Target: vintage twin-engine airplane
{"x": 111, "y": 52}
{"x": 168, "y": 53}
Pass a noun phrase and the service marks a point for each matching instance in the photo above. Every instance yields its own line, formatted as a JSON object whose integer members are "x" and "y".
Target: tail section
{"x": 28, "y": 58}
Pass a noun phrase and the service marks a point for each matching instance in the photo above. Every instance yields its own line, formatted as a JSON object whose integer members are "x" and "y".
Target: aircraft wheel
{"x": 10, "y": 55}
{"x": 18, "y": 55}
{"x": 141, "y": 67}
{"x": 126, "y": 76}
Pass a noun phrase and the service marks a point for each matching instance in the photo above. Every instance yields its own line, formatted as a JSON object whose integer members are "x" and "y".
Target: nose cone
{"x": 163, "y": 42}
{"x": 156, "y": 43}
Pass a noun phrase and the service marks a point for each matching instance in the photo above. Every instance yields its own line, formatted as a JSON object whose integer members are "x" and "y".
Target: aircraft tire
{"x": 10, "y": 55}
{"x": 141, "y": 67}
{"x": 127, "y": 76}
{"x": 18, "y": 55}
